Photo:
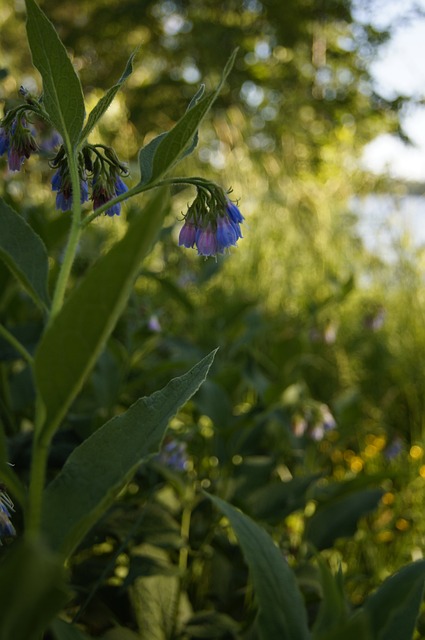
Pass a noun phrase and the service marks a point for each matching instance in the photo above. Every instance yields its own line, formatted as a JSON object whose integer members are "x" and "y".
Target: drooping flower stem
{"x": 73, "y": 239}
{"x": 110, "y": 203}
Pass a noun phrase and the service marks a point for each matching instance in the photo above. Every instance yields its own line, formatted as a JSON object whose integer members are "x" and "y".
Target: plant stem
{"x": 73, "y": 238}
{"x": 13, "y": 484}
{"x": 16, "y": 344}
{"x": 183, "y": 557}
{"x": 123, "y": 196}
{"x": 42, "y": 437}
{"x": 38, "y": 476}
{"x": 141, "y": 188}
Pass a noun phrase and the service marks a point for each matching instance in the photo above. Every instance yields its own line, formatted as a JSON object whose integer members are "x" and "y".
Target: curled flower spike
{"x": 21, "y": 144}
{"x": 212, "y": 223}
{"x": 105, "y": 188}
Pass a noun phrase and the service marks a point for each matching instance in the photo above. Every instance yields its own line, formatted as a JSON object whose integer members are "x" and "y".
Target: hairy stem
{"x": 73, "y": 238}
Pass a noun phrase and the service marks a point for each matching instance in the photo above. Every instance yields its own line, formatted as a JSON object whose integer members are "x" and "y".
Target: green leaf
{"x": 339, "y": 518}
{"x": 32, "y": 590}
{"x": 394, "y": 607}
{"x": 62, "y": 93}
{"x": 24, "y": 253}
{"x": 62, "y": 630}
{"x": 333, "y": 612}
{"x": 76, "y": 337}
{"x": 281, "y": 607}
{"x": 213, "y": 625}
{"x": 146, "y": 156}
{"x": 104, "y": 102}
{"x": 96, "y": 470}
{"x": 159, "y": 604}
{"x": 274, "y": 501}
{"x": 356, "y": 628}
{"x": 120, "y": 633}
{"x": 163, "y": 152}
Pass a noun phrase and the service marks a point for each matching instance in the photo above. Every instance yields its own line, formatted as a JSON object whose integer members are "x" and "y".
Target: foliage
{"x": 281, "y": 498}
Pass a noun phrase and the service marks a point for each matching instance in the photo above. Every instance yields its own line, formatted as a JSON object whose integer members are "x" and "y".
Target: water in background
{"x": 388, "y": 223}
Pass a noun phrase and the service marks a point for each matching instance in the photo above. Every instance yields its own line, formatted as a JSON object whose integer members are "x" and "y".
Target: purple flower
{"x": 21, "y": 144}
{"x": 4, "y": 140}
{"x": 187, "y": 234}
{"x": 227, "y": 234}
{"x": 174, "y": 455}
{"x": 50, "y": 142}
{"x": 206, "y": 241}
{"x": 6, "y": 507}
{"x": 212, "y": 223}
{"x": 234, "y": 213}
{"x": 105, "y": 189}
{"x": 62, "y": 184}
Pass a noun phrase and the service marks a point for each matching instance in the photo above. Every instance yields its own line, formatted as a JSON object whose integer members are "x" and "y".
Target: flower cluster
{"x": 105, "y": 178}
{"x": 212, "y": 222}
{"x": 17, "y": 140}
{"x": 315, "y": 420}
{"x": 7, "y": 529}
{"x": 99, "y": 168}
{"x": 173, "y": 455}
{"x": 61, "y": 182}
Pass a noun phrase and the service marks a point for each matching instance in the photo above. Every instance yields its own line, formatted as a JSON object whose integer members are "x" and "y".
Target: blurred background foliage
{"x": 318, "y": 384}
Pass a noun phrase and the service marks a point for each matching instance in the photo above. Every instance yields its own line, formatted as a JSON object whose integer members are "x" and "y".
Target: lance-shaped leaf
{"x": 77, "y": 335}
{"x": 163, "y": 152}
{"x": 96, "y": 470}
{"x": 281, "y": 610}
{"x": 394, "y": 607}
{"x": 24, "y": 253}
{"x": 32, "y": 590}
{"x": 104, "y": 102}
{"x": 62, "y": 630}
{"x": 62, "y": 93}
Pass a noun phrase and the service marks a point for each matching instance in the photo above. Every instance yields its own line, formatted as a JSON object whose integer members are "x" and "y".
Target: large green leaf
{"x": 162, "y": 153}
{"x": 104, "y": 102}
{"x": 340, "y": 516}
{"x": 62, "y": 630}
{"x": 394, "y": 607}
{"x": 32, "y": 590}
{"x": 156, "y": 600}
{"x": 62, "y": 93}
{"x": 333, "y": 612}
{"x": 24, "y": 253}
{"x": 281, "y": 607}
{"x": 355, "y": 628}
{"x": 96, "y": 470}
{"x": 77, "y": 335}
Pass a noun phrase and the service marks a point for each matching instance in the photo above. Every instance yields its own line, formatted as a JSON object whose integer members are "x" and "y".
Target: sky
{"x": 400, "y": 70}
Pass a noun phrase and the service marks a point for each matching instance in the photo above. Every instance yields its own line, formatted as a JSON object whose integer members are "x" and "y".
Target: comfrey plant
{"x": 49, "y": 518}
{"x": 77, "y": 324}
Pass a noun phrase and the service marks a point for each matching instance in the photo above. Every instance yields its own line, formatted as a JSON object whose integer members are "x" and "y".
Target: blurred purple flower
{"x": 394, "y": 449}
{"x": 173, "y": 455}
